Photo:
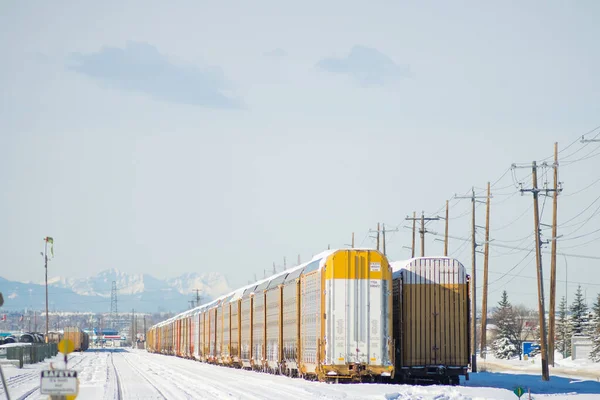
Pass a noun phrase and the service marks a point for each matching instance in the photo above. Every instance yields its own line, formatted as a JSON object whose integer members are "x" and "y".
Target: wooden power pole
{"x": 383, "y": 231}
{"x": 473, "y": 281}
{"x": 552, "y": 322}
{"x": 422, "y": 231}
{"x": 446, "y": 234}
{"x": 538, "y": 258}
{"x": 383, "y": 237}
{"x": 486, "y": 253}
{"x": 377, "y": 237}
{"x": 414, "y": 220}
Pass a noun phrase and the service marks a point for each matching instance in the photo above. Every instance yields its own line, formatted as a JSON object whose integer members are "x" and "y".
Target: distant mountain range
{"x": 141, "y": 292}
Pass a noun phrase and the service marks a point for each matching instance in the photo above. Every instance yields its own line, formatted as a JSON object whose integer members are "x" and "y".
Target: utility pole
{"x": 446, "y": 234}
{"x": 486, "y": 253}
{"x": 414, "y": 220}
{"x": 538, "y": 257}
{"x": 377, "y": 237}
{"x": 552, "y": 326}
{"x": 197, "y": 296}
{"x": 352, "y": 239}
{"x": 422, "y": 231}
{"x": 284, "y": 264}
{"x": 383, "y": 233}
{"x": 46, "y": 240}
{"x": 473, "y": 280}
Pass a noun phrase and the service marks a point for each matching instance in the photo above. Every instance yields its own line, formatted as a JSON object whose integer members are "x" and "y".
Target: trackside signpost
{"x": 519, "y": 391}
{"x": 60, "y": 383}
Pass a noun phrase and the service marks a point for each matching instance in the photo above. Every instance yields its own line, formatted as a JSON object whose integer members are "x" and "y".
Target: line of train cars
{"x": 80, "y": 338}
{"x": 346, "y": 315}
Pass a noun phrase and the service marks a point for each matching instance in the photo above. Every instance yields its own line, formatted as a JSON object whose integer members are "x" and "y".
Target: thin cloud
{"x": 139, "y": 67}
{"x": 367, "y": 65}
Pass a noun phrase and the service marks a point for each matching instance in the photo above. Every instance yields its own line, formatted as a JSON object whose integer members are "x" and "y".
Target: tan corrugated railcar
{"x": 79, "y": 338}
{"x": 431, "y": 319}
{"x": 274, "y": 326}
{"x": 290, "y": 322}
{"x": 225, "y": 357}
{"x": 246, "y": 327}
{"x": 235, "y": 328}
{"x": 258, "y": 327}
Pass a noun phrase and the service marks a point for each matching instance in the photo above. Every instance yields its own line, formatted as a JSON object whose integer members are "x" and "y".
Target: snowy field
{"x": 136, "y": 374}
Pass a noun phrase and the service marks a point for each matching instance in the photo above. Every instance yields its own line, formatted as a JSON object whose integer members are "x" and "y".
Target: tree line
{"x": 516, "y": 324}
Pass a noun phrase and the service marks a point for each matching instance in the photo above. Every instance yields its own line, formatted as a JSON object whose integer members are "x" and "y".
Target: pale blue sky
{"x": 193, "y": 136}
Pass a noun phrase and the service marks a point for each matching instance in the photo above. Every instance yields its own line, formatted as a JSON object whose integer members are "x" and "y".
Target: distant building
{"x": 581, "y": 347}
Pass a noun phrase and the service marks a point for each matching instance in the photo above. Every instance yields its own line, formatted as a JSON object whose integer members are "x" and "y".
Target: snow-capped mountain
{"x": 139, "y": 291}
{"x": 101, "y": 284}
{"x": 212, "y": 284}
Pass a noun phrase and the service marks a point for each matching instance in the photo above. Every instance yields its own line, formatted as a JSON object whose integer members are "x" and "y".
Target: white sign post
{"x": 60, "y": 382}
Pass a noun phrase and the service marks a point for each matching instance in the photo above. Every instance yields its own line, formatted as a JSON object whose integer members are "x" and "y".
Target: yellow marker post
{"x": 65, "y": 347}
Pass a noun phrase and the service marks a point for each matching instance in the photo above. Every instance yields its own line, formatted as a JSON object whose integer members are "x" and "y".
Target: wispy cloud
{"x": 367, "y": 65}
{"x": 278, "y": 52}
{"x": 139, "y": 67}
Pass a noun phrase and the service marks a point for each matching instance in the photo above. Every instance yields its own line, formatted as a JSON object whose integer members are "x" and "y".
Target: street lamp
{"x": 47, "y": 240}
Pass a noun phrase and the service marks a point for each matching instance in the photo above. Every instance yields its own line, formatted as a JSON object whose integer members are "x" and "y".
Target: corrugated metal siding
{"x": 225, "y": 350}
{"x": 357, "y": 309}
{"x": 290, "y": 321}
{"x": 235, "y": 342}
{"x": 435, "y": 312}
{"x": 311, "y": 316}
{"x": 246, "y": 329}
{"x": 258, "y": 327}
{"x": 273, "y": 312}
{"x": 203, "y": 349}
{"x": 219, "y": 330}
{"x": 213, "y": 331}
{"x": 196, "y": 334}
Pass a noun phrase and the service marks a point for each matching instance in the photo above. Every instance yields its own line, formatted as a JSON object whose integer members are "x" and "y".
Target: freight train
{"x": 346, "y": 315}
{"x": 79, "y": 338}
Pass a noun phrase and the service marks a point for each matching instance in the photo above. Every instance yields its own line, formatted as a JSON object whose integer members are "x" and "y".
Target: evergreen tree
{"x": 503, "y": 348}
{"x": 563, "y": 330}
{"x": 511, "y": 323}
{"x": 580, "y": 324}
{"x": 595, "y": 354}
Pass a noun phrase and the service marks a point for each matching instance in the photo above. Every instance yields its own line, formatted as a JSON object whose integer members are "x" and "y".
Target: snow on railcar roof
{"x": 397, "y": 265}
{"x": 405, "y": 265}
{"x": 238, "y": 293}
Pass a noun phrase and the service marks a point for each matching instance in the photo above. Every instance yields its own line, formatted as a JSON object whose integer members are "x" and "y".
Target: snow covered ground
{"x": 136, "y": 374}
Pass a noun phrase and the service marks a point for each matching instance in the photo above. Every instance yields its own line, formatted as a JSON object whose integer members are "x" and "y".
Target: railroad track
{"x": 119, "y": 394}
{"x": 143, "y": 375}
{"x": 21, "y": 379}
